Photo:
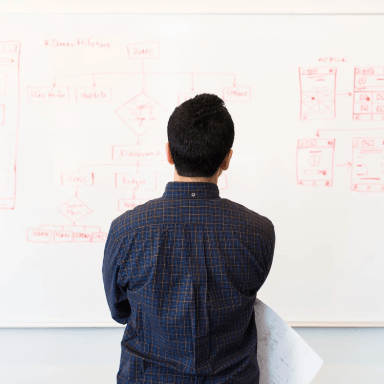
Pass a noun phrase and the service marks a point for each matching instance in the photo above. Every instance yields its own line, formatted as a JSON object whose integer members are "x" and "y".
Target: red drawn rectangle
{"x": 368, "y": 98}
{"x": 317, "y": 93}
{"x": 99, "y": 237}
{"x": 93, "y": 94}
{"x": 39, "y": 235}
{"x": 142, "y": 180}
{"x": 77, "y": 179}
{"x": 126, "y": 152}
{"x": 63, "y": 236}
{"x": 44, "y": 94}
{"x": 150, "y": 50}
{"x": 314, "y": 162}
{"x": 237, "y": 94}
{"x": 128, "y": 204}
{"x": 82, "y": 237}
{"x": 368, "y": 165}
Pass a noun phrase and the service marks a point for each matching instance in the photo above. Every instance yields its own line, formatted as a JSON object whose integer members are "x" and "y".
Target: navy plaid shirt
{"x": 182, "y": 271}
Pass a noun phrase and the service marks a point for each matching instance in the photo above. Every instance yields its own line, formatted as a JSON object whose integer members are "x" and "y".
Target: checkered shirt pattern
{"x": 182, "y": 272}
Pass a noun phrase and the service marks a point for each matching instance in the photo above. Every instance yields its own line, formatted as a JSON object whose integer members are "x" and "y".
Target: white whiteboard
{"x": 84, "y": 103}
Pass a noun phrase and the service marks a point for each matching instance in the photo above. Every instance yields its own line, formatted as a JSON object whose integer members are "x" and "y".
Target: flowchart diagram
{"x": 134, "y": 166}
{"x": 315, "y": 156}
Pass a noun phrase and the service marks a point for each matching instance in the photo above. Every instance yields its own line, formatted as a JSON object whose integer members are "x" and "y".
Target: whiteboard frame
{"x": 242, "y": 7}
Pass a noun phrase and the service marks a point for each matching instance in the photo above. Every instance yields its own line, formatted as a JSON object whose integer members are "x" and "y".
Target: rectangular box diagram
{"x": 317, "y": 93}
{"x": 93, "y": 94}
{"x": 145, "y": 180}
{"x": 44, "y": 94}
{"x": 237, "y": 94}
{"x": 368, "y": 98}
{"x": 150, "y": 50}
{"x": 128, "y": 204}
{"x": 368, "y": 165}
{"x": 314, "y": 162}
{"x": 9, "y": 121}
{"x": 80, "y": 179}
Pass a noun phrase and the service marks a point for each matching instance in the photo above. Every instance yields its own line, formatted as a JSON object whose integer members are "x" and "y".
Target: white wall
{"x": 91, "y": 356}
{"x": 197, "y": 6}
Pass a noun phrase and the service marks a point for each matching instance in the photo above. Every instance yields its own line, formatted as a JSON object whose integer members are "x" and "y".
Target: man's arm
{"x": 269, "y": 250}
{"x": 116, "y": 296}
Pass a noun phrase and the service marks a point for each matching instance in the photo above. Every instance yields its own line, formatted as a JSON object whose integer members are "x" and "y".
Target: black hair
{"x": 200, "y": 134}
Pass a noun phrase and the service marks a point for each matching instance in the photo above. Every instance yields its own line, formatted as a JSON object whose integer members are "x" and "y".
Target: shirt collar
{"x": 191, "y": 190}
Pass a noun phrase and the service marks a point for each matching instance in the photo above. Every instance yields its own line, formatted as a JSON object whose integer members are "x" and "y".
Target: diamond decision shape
{"x": 74, "y": 209}
{"x": 140, "y": 113}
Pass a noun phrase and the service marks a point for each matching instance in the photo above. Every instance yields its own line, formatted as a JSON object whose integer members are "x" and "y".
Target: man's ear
{"x": 168, "y": 153}
{"x": 225, "y": 164}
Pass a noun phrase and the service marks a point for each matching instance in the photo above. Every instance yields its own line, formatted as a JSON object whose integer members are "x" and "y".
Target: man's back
{"x": 183, "y": 272}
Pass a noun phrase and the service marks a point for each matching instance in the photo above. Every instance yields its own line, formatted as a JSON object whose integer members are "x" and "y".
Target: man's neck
{"x": 184, "y": 179}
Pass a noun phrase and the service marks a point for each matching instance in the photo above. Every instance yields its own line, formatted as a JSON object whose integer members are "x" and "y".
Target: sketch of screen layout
{"x": 314, "y": 162}
{"x": 368, "y": 100}
{"x": 368, "y": 165}
{"x": 318, "y": 91}
{"x": 9, "y": 121}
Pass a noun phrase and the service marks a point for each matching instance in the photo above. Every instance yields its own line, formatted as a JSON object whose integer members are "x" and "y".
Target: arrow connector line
{"x": 349, "y": 164}
{"x": 349, "y": 94}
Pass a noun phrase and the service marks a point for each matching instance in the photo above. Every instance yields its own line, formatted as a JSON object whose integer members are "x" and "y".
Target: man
{"x": 182, "y": 271}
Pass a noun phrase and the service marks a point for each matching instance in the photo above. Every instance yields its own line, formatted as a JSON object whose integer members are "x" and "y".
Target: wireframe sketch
{"x": 317, "y": 93}
{"x": 314, "y": 162}
{"x": 368, "y": 165}
{"x": 9, "y": 121}
{"x": 368, "y": 98}
{"x": 283, "y": 357}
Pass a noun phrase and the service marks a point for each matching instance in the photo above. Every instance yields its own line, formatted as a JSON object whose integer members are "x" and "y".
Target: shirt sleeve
{"x": 116, "y": 295}
{"x": 270, "y": 250}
